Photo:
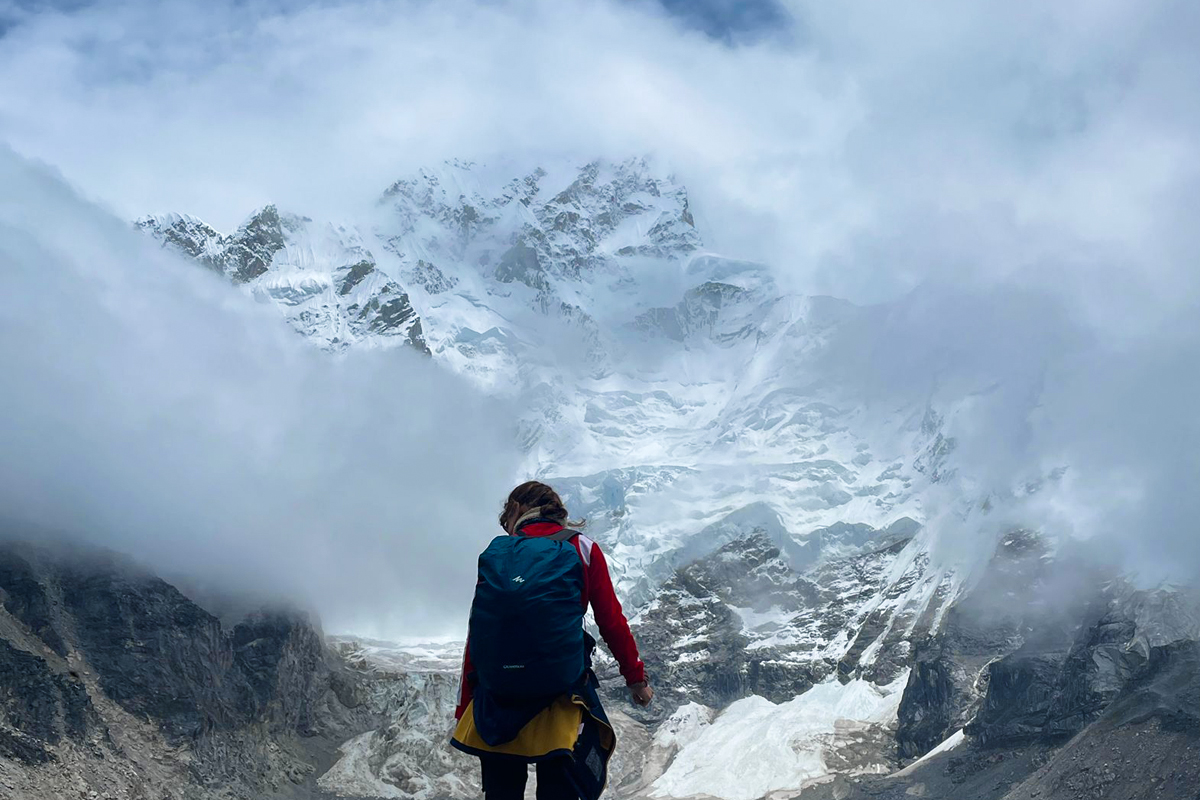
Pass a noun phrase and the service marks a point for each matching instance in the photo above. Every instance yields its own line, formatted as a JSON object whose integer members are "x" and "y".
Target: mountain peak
{"x": 564, "y": 221}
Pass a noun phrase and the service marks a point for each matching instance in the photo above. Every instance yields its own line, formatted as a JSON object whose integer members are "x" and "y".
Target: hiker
{"x": 529, "y": 695}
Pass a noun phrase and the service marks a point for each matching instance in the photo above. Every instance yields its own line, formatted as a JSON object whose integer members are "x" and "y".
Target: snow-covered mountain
{"x": 765, "y": 525}
{"x": 665, "y": 389}
{"x": 321, "y": 277}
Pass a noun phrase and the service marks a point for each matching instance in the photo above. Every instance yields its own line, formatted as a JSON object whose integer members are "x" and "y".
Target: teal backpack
{"x": 527, "y": 637}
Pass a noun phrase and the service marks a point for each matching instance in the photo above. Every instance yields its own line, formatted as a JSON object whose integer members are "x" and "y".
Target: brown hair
{"x": 533, "y": 496}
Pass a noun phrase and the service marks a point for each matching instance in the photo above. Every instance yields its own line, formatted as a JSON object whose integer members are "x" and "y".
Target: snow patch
{"x": 952, "y": 741}
{"x": 684, "y": 726}
{"x": 755, "y": 747}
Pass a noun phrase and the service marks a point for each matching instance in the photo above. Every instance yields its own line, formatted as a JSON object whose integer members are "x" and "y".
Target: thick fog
{"x": 1014, "y": 185}
{"x": 1032, "y": 175}
{"x": 150, "y": 408}
{"x": 1085, "y": 434}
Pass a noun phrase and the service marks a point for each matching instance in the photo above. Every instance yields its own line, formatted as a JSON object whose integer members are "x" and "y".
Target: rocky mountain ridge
{"x": 997, "y": 692}
{"x": 113, "y": 684}
{"x": 321, "y": 277}
{"x": 1110, "y": 712}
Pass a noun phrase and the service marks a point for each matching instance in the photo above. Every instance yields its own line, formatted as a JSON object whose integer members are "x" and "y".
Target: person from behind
{"x": 528, "y": 693}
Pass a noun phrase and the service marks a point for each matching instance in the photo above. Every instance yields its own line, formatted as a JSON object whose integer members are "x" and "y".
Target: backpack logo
{"x": 518, "y": 579}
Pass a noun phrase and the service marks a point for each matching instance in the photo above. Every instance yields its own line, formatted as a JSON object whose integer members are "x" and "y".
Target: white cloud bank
{"x": 1035, "y": 170}
{"x": 152, "y": 409}
{"x": 868, "y": 150}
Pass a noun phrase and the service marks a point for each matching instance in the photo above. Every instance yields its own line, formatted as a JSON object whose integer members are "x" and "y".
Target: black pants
{"x": 504, "y": 779}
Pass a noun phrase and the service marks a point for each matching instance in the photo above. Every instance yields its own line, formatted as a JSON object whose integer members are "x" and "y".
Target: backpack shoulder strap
{"x": 565, "y": 535}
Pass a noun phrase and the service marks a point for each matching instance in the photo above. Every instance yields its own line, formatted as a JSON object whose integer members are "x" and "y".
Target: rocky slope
{"x": 113, "y": 684}
{"x": 1109, "y": 716}
{"x": 767, "y": 689}
{"x": 1045, "y": 677}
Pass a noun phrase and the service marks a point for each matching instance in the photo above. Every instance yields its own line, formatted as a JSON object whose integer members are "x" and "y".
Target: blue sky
{"x": 732, "y": 20}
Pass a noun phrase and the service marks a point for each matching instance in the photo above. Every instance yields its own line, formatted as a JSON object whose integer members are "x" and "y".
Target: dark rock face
{"x": 242, "y": 256}
{"x": 156, "y": 653}
{"x": 522, "y": 264}
{"x": 1068, "y": 683}
{"x": 38, "y": 706}
{"x": 1022, "y": 689}
{"x": 26, "y": 599}
{"x": 693, "y": 642}
{"x": 1168, "y": 689}
{"x": 882, "y": 622}
{"x": 354, "y": 275}
{"x": 930, "y": 704}
{"x": 1095, "y": 671}
{"x": 1068, "y": 724}
{"x": 386, "y": 311}
{"x": 694, "y": 638}
{"x": 391, "y": 313}
{"x": 1054, "y": 695}
{"x": 249, "y": 252}
{"x": 235, "y": 699}
{"x": 284, "y": 664}
{"x": 1008, "y": 608}
{"x": 700, "y": 646}
{"x": 189, "y": 236}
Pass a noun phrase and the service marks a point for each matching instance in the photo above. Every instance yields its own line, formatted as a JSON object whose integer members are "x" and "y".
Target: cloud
{"x": 151, "y": 409}
{"x": 1080, "y": 432}
{"x": 1014, "y": 130}
{"x": 1017, "y": 184}
{"x": 219, "y": 107}
{"x": 1027, "y": 173}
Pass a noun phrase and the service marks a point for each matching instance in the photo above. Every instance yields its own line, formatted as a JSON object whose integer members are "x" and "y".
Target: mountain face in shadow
{"x": 112, "y": 681}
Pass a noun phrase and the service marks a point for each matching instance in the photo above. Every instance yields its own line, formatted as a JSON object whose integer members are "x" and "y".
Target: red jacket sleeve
{"x": 614, "y": 628}
{"x": 465, "y": 692}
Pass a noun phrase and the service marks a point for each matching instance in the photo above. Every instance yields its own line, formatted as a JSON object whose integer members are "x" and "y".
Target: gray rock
{"x": 100, "y": 659}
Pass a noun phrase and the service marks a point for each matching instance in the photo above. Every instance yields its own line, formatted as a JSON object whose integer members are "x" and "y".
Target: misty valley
{"x": 599, "y": 400}
{"x": 829, "y": 602}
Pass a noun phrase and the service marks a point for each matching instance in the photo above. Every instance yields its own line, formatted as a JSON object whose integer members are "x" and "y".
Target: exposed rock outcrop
{"x": 113, "y": 681}
{"x": 742, "y": 621}
{"x": 322, "y": 277}
{"x": 1144, "y": 745}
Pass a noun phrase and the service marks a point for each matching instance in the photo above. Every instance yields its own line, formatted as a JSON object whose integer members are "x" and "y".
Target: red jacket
{"x": 598, "y": 591}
